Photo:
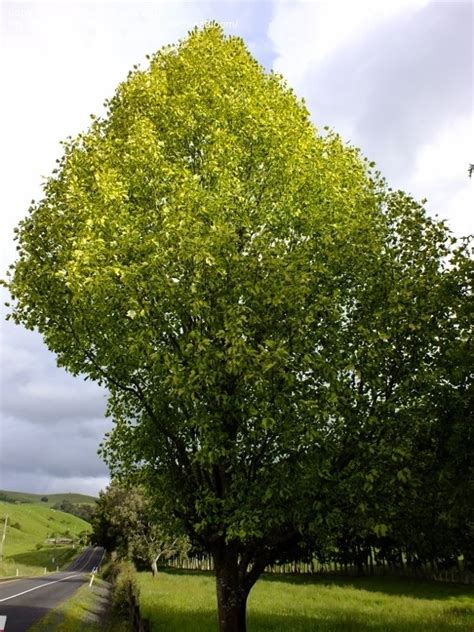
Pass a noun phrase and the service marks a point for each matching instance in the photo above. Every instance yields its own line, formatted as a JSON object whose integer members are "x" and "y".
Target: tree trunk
{"x": 154, "y": 567}
{"x": 231, "y": 592}
{"x": 400, "y": 559}
{"x": 371, "y": 561}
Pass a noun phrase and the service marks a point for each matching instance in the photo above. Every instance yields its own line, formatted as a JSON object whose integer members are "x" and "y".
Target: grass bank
{"x": 180, "y": 601}
{"x": 28, "y": 527}
{"x": 87, "y": 610}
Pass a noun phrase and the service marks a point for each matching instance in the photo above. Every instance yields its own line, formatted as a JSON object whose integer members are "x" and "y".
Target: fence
{"x": 137, "y": 622}
{"x": 314, "y": 567}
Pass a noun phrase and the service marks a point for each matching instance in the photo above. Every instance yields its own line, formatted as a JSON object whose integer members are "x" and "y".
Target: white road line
{"x": 37, "y": 587}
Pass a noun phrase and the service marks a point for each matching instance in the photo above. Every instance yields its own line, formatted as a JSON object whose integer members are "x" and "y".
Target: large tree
{"x": 263, "y": 312}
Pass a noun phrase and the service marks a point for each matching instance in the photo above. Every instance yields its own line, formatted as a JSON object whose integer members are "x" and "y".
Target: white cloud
{"x": 90, "y": 485}
{"x": 41, "y": 482}
{"x": 60, "y": 62}
{"x": 441, "y": 169}
{"x": 306, "y": 33}
{"x": 395, "y": 79}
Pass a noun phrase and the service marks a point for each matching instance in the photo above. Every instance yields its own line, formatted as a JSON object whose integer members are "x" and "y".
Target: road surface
{"x": 24, "y": 601}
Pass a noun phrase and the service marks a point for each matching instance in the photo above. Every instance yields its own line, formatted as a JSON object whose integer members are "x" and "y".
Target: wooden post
{"x": 3, "y": 537}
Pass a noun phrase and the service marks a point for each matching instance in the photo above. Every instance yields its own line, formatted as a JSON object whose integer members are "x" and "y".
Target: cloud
{"x": 52, "y": 423}
{"x": 390, "y": 84}
{"x": 44, "y": 483}
{"x": 33, "y": 388}
{"x": 64, "y": 61}
{"x": 59, "y": 63}
{"x": 62, "y": 450}
{"x": 44, "y": 399}
{"x": 441, "y": 169}
{"x": 306, "y": 34}
{"x": 49, "y": 402}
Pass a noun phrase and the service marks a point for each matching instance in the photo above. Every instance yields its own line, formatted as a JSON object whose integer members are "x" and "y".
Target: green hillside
{"x": 26, "y": 497}
{"x": 29, "y": 525}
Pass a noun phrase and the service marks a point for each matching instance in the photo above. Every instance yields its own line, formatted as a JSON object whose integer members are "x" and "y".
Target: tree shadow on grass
{"x": 396, "y": 586}
{"x": 169, "y": 620}
{"x": 43, "y": 557}
{"x": 356, "y": 611}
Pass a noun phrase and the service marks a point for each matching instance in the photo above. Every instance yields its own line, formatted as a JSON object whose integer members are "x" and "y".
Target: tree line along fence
{"x": 137, "y": 623}
{"x": 315, "y": 567}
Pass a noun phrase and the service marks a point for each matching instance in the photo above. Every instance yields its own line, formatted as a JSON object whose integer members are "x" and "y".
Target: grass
{"x": 86, "y": 610}
{"x": 184, "y": 601}
{"x": 28, "y": 526}
{"x": 26, "y": 497}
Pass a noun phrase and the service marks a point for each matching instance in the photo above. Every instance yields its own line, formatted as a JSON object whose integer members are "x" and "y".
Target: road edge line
{"x": 38, "y": 587}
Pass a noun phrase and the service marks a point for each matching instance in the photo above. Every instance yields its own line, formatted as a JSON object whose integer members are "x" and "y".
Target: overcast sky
{"x": 394, "y": 77}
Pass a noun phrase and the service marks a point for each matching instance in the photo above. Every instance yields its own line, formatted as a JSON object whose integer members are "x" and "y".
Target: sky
{"x": 393, "y": 77}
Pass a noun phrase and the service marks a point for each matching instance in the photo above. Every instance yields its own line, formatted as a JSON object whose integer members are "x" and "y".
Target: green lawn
{"x": 184, "y": 601}
{"x": 28, "y": 526}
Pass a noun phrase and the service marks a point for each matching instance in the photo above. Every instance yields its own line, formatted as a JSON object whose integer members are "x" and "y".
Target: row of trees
{"x": 85, "y": 511}
{"x": 429, "y": 531}
{"x": 285, "y": 340}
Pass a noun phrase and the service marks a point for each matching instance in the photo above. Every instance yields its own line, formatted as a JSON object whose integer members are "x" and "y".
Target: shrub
{"x": 124, "y": 586}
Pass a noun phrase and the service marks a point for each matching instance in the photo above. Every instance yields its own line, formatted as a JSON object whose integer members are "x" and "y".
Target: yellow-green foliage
{"x": 28, "y": 526}
{"x": 186, "y": 602}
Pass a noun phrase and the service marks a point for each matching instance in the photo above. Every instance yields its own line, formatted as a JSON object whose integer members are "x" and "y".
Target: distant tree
{"x": 6, "y": 498}
{"x": 84, "y": 536}
{"x": 44, "y": 499}
{"x": 84, "y": 511}
{"x": 266, "y": 315}
{"x": 127, "y": 521}
{"x": 106, "y": 532}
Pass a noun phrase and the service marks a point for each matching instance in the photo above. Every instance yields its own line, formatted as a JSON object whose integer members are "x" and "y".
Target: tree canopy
{"x": 267, "y": 316}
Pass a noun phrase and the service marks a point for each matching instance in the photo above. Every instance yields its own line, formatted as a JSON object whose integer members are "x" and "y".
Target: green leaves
{"x": 381, "y": 530}
{"x": 268, "y": 319}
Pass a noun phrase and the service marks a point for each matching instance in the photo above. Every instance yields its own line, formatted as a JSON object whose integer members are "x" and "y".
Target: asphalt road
{"x": 24, "y": 601}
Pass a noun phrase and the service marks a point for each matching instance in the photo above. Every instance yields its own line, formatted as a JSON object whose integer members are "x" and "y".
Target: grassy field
{"x": 184, "y": 601}
{"x": 26, "y": 497}
{"x": 28, "y": 527}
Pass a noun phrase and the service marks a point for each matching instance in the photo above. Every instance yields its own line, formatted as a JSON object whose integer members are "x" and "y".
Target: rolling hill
{"x": 52, "y": 499}
{"x": 29, "y": 525}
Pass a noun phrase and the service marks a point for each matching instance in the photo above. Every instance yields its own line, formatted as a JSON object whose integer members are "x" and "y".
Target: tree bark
{"x": 154, "y": 567}
{"x": 232, "y": 592}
